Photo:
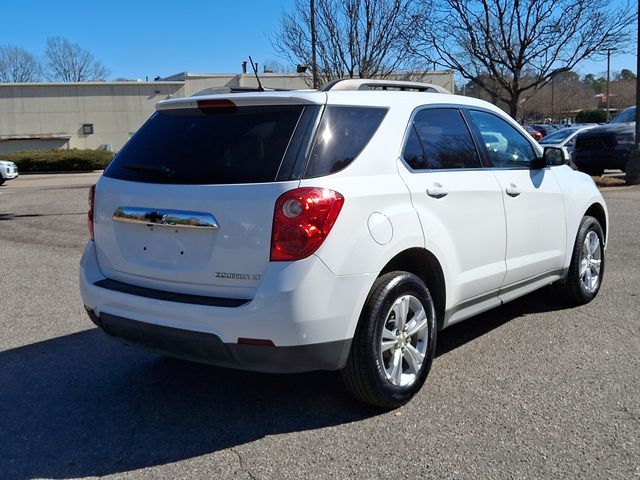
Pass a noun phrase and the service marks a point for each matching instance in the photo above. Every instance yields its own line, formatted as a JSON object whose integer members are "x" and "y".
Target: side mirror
{"x": 539, "y": 162}
{"x": 554, "y": 156}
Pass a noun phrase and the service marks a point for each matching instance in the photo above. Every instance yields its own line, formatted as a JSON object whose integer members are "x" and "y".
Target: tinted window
{"x": 506, "y": 146}
{"x": 223, "y": 146}
{"x": 342, "y": 134}
{"x": 413, "y": 152}
{"x": 444, "y": 138}
{"x": 559, "y": 136}
{"x": 628, "y": 115}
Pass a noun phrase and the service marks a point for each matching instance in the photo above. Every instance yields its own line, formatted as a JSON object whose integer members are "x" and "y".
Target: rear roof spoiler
{"x": 252, "y": 98}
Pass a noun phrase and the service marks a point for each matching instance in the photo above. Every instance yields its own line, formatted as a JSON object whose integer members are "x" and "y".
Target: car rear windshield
{"x": 217, "y": 146}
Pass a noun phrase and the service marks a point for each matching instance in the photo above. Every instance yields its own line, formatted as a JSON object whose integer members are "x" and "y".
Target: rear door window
{"x": 439, "y": 139}
{"x": 217, "y": 146}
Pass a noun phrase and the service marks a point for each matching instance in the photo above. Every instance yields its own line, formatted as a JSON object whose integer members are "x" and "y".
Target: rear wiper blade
{"x": 160, "y": 169}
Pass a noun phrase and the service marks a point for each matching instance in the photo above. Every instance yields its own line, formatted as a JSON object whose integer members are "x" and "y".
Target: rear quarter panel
{"x": 371, "y": 185}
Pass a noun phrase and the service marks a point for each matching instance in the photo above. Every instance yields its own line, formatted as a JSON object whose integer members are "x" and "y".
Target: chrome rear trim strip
{"x": 166, "y": 218}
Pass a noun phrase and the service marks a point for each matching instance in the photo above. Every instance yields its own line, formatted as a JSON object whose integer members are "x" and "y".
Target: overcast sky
{"x": 140, "y": 38}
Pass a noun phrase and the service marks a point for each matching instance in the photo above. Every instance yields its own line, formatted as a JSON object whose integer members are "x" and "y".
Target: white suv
{"x": 8, "y": 171}
{"x": 337, "y": 229}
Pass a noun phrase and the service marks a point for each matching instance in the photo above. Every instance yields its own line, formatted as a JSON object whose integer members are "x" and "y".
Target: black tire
{"x": 366, "y": 375}
{"x": 574, "y": 288}
{"x": 1, "y": 179}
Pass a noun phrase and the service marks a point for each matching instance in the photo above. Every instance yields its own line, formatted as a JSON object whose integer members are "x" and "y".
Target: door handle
{"x": 437, "y": 191}
{"x": 513, "y": 190}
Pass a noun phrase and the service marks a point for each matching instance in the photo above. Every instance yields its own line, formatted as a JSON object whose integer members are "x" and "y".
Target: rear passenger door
{"x": 533, "y": 200}
{"x": 459, "y": 204}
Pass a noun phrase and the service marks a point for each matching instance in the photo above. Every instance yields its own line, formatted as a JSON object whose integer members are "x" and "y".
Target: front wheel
{"x": 394, "y": 343}
{"x": 587, "y": 263}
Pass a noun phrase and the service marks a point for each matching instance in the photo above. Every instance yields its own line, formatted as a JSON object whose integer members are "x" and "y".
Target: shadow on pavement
{"x": 83, "y": 405}
{"x": 544, "y": 300}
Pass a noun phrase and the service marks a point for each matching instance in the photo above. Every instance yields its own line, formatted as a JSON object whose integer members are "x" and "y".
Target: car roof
{"x": 379, "y": 98}
{"x": 573, "y": 131}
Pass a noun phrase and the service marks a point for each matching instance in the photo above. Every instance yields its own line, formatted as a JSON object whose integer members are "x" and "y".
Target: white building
{"x": 42, "y": 116}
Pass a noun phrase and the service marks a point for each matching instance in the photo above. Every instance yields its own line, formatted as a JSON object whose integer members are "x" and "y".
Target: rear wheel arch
{"x": 395, "y": 342}
{"x": 424, "y": 265}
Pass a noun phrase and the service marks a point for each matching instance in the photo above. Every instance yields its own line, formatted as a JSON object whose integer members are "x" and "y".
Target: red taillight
{"x": 302, "y": 220}
{"x": 92, "y": 195}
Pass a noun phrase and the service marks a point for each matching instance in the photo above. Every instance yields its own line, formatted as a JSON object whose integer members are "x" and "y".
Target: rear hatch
{"x": 187, "y": 204}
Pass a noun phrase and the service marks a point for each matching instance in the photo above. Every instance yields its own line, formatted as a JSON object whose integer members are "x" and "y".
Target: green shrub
{"x": 591, "y": 115}
{"x": 59, "y": 160}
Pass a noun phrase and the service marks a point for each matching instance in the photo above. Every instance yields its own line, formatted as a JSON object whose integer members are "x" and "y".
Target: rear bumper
{"x": 208, "y": 348}
{"x": 302, "y": 308}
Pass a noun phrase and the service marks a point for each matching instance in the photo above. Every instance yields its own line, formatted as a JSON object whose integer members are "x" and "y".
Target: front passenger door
{"x": 533, "y": 200}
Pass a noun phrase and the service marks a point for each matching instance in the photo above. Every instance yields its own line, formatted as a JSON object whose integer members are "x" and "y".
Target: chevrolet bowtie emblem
{"x": 155, "y": 217}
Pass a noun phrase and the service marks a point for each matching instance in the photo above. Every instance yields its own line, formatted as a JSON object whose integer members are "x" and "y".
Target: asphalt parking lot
{"x": 529, "y": 390}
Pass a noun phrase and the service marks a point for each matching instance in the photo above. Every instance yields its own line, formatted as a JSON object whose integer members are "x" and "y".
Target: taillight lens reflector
{"x": 92, "y": 196}
{"x": 302, "y": 220}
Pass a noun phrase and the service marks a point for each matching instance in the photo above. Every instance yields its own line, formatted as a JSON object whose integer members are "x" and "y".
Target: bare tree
{"x": 68, "y": 62}
{"x": 623, "y": 93}
{"x": 273, "y": 66}
{"x": 520, "y": 44}
{"x": 560, "y": 98}
{"x": 355, "y": 38}
{"x": 18, "y": 65}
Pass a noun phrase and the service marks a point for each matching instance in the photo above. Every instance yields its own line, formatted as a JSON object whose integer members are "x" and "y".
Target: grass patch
{"x": 609, "y": 181}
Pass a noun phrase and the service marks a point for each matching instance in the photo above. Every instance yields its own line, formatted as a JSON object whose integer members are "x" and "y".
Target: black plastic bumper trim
{"x": 170, "y": 296}
{"x": 209, "y": 348}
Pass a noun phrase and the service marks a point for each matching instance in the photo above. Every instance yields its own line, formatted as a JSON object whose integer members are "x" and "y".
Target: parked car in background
{"x": 533, "y": 132}
{"x": 565, "y": 139}
{"x": 8, "y": 171}
{"x": 544, "y": 129}
{"x": 331, "y": 230}
{"x": 606, "y": 146}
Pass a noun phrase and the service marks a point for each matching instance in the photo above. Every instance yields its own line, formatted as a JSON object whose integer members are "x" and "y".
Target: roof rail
{"x": 369, "y": 84}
